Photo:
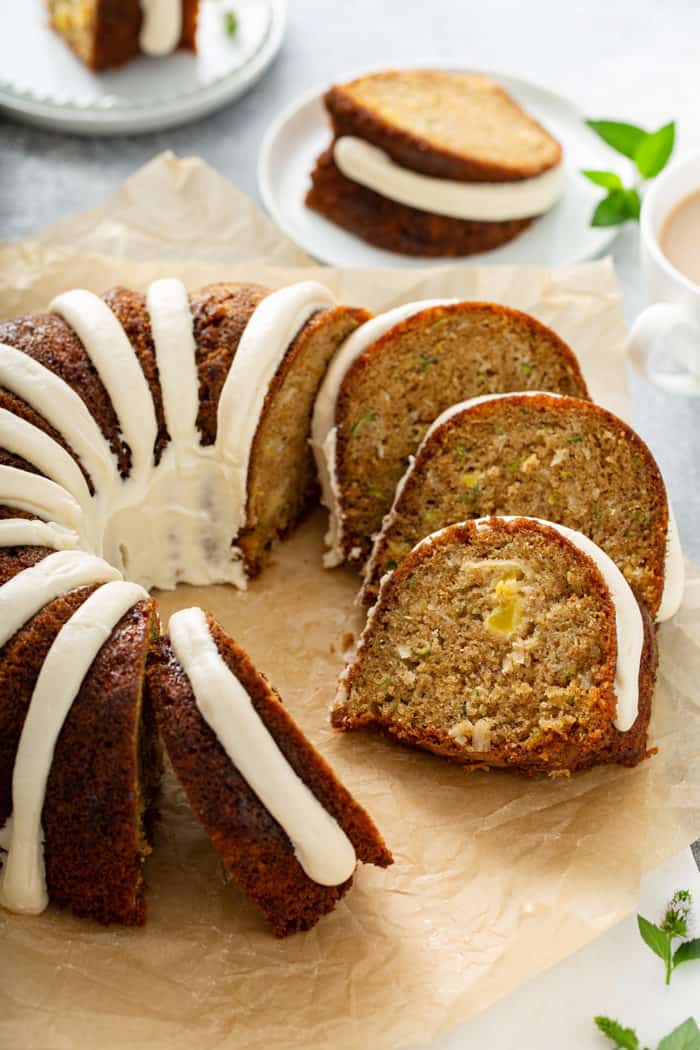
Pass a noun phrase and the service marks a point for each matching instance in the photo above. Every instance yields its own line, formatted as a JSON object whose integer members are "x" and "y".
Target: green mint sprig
{"x": 685, "y": 1037}
{"x": 650, "y": 152}
{"x": 673, "y": 927}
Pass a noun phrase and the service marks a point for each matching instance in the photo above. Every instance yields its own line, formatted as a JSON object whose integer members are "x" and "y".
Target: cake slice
{"x": 506, "y": 642}
{"x": 433, "y": 162}
{"x": 285, "y": 828}
{"x": 80, "y": 837}
{"x": 390, "y": 381}
{"x": 108, "y": 33}
{"x": 542, "y": 456}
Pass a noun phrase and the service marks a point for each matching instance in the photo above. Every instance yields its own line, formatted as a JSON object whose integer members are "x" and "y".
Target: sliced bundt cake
{"x": 287, "y": 831}
{"x": 506, "y": 642}
{"x": 79, "y": 757}
{"x": 394, "y": 376}
{"x": 106, "y": 33}
{"x": 169, "y": 434}
{"x": 543, "y": 456}
{"x": 432, "y": 162}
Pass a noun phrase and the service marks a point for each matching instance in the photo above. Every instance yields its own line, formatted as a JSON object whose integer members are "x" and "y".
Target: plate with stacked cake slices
{"x": 425, "y": 166}
{"x": 129, "y": 66}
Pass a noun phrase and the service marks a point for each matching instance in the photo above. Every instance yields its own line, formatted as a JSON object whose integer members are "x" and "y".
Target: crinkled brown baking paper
{"x": 496, "y": 877}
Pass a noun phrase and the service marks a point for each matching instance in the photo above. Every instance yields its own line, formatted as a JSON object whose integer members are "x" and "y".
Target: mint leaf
{"x": 608, "y": 179}
{"x": 625, "y": 138}
{"x": 612, "y": 210}
{"x": 633, "y": 204}
{"x": 623, "y": 1037}
{"x": 654, "y": 938}
{"x": 685, "y": 1037}
{"x": 654, "y": 150}
{"x": 687, "y": 951}
{"x": 230, "y": 23}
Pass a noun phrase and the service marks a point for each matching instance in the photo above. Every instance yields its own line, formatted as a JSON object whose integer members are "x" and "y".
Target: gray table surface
{"x": 629, "y": 59}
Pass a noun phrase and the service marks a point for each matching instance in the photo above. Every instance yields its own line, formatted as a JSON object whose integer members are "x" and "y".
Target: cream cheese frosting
{"x": 161, "y": 26}
{"x": 323, "y": 430}
{"x": 19, "y": 532}
{"x": 23, "y": 879}
{"x": 320, "y": 845}
{"x": 478, "y": 201}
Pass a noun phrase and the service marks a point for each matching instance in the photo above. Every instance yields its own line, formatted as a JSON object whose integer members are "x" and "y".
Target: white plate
{"x": 42, "y": 82}
{"x": 564, "y": 235}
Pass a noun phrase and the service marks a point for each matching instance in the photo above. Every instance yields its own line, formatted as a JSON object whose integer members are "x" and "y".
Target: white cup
{"x": 664, "y": 344}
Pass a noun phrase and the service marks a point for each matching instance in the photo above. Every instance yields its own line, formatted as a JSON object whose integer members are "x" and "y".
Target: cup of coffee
{"x": 664, "y": 344}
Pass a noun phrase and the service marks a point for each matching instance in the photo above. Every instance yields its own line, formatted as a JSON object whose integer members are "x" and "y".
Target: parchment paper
{"x": 495, "y": 877}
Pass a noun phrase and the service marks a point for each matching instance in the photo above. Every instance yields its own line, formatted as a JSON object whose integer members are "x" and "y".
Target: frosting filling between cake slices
{"x": 23, "y": 879}
{"x": 323, "y": 430}
{"x": 320, "y": 845}
{"x": 166, "y": 523}
{"x": 370, "y": 166}
{"x": 674, "y": 567}
{"x": 161, "y": 27}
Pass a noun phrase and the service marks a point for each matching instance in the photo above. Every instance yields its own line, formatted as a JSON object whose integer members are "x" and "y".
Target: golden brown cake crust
{"x": 252, "y": 845}
{"x": 414, "y": 152}
{"x": 106, "y": 767}
{"x": 561, "y": 753}
{"x": 397, "y": 227}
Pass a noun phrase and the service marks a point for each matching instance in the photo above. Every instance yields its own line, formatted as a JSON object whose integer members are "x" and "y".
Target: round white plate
{"x": 564, "y": 235}
{"x": 42, "y": 82}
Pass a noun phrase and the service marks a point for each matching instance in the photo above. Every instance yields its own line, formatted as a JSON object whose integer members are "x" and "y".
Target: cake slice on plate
{"x": 391, "y": 379}
{"x": 286, "y": 829}
{"x": 107, "y": 33}
{"x": 433, "y": 162}
{"x": 543, "y": 456}
{"x": 506, "y": 642}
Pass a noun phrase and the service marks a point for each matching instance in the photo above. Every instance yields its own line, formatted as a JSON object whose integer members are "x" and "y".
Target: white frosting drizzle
{"x": 38, "y": 495}
{"x": 60, "y": 406}
{"x": 481, "y": 201}
{"x": 674, "y": 573}
{"x": 26, "y": 593}
{"x": 320, "y": 845}
{"x": 21, "y": 532}
{"x": 263, "y": 346}
{"x": 171, "y": 326}
{"x": 26, "y": 440}
{"x": 108, "y": 347}
{"x": 323, "y": 430}
{"x": 161, "y": 27}
{"x": 23, "y": 885}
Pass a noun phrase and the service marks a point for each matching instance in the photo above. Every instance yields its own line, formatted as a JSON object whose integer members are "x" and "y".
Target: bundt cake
{"x": 432, "y": 162}
{"x": 394, "y": 376}
{"x": 544, "y": 456}
{"x": 506, "y": 642}
{"x": 106, "y": 33}
{"x": 79, "y": 757}
{"x": 157, "y": 430}
{"x": 287, "y": 831}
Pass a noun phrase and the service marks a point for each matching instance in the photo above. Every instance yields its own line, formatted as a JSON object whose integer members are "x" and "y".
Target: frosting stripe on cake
{"x": 173, "y": 338}
{"x": 38, "y": 448}
{"x": 26, "y": 593}
{"x": 24, "y": 532}
{"x": 274, "y": 325}
{"x": 108, "y": 347}
{"x": 320, "y": 845}
{"x": 60, "y": 406}
{"x": 38, "y": 495}
{"x": 161, "y": 26}
{"x": 23, "y": 885}
{"x": 323, "y": 432}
